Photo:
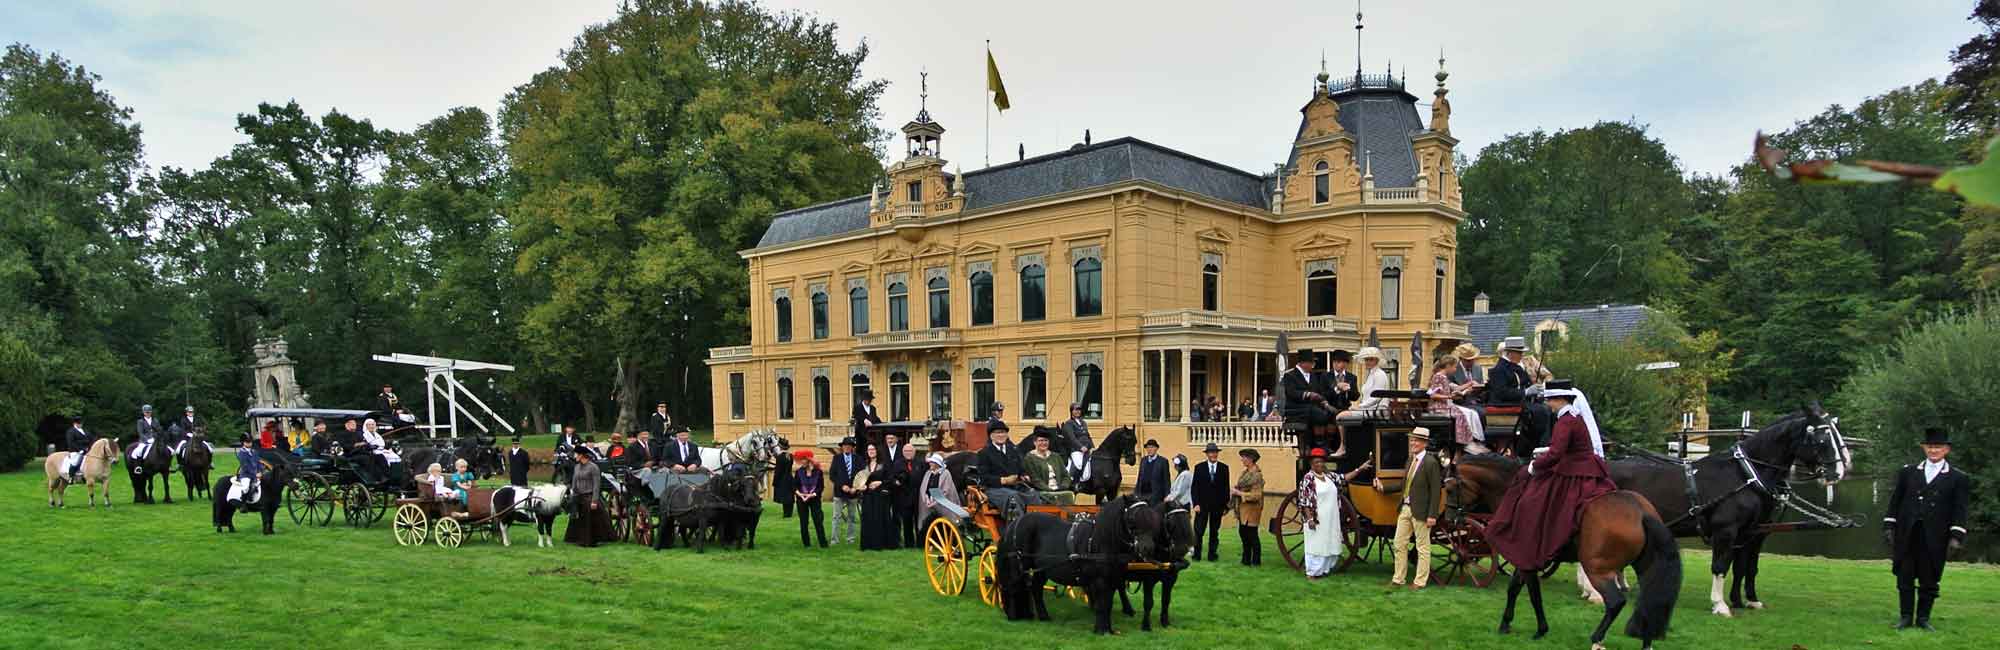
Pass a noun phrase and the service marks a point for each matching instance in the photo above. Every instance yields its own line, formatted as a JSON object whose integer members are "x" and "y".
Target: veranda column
{"x": 1229, "y": 383}
{"x": 1187, "y": 381}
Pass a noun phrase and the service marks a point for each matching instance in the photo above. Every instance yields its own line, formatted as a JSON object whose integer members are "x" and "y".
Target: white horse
{"x": 97, "y": 462}
{"x": 758, "y": 449}
{"x": 538, "y": 505}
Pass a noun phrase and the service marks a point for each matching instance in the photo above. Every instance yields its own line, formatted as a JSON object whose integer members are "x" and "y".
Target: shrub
{"x": 1633, "y": 406}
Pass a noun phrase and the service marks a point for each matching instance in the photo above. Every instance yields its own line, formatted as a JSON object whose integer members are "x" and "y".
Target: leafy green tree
{"x": 1973, "y": 97}
{"x": 1633, "y": 406}
{"x": 659, "y": 146}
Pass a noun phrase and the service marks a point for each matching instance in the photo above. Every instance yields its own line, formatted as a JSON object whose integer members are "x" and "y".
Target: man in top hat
{"x": 1423, "y": 494}
{"x": 77, "y": 442}
{"x": 864, "y": 414}
{"x": 1153, "y": 482}
{"x": 1002, "y": 473}
{"x": 243, "y": 487}
{"x": 1925, "y": 521}
{"x": 1211, "y": 499}
{"x": 682, "y": 455}
{"x": 1080, "y": 444}
{"x": 659, "y": 421}
{"x": 148, "y": 428}
{"x": 565, "y": 457}
{"x": 1307, "y": 393}
{"x": 846, "y": 502}
{"x": 517, "y": 464}
{"x": 386, "y": 401}
{"x": 1512, "y": 385}
{"x": 996, "y": 420}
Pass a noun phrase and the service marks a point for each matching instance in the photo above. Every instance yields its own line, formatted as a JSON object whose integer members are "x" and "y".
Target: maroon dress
{"x": 1540, "y": 511}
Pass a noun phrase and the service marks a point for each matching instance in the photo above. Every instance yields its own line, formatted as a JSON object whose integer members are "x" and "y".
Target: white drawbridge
{"x": 441, "y": 382}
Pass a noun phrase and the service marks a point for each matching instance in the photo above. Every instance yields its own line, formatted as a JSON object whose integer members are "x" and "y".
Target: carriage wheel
{"x": 411, "y": 525}
{"x": 621, "y": 522}
{"x": 944, "y": 557}
{"x": 1289, "y": 529}
{"x": 304, "y": 498}
{"x": 989, "y": 576}
{"x": 1473, "y": 559}
{"x": 354, "y": 503}
{"x": 448, "y": 532}
{"x": 378, "y": 505}
{"x": 642, "y": 524}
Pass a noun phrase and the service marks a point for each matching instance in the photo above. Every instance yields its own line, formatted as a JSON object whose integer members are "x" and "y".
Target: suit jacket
{"x": 387, "y": 402}
{"x": 1152, "y": 482}
{"x": 565, "y": 443}
{"x": 1509, "y": 385}
{"x": 1300, "y": 391}
{"x": 187, "y": 424}
{"x": 1936, "y": 508}
{"x": 1467, "y": 373}
{"x": 147, "y": 429}
{"x": 1211, "y": 492}
{"x": 995, "y": 463}
{"x": 840, "y": 472}
{"x": 77, "y": 440}
{"x": 864, "y": 415}
{"x": 349, "y": 441}
{"x": 517, "y": 466}
{"x": 637, "y": 453}
{"x": 1424, "y": 490}
{"x": 1341, "y": 399}
{"x": 671, "y": 454}
{"x": 658, "y": 425}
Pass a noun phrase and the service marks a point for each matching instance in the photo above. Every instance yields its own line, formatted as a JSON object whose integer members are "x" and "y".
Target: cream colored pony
{"x": 96, "y": 471}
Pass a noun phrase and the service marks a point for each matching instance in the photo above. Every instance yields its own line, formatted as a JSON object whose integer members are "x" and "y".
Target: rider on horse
{"x": 78, "y": 442}
{"x": 1080, "y": 444}
{"x": 249, "y": 468}
{"x": 1539, "y": 514}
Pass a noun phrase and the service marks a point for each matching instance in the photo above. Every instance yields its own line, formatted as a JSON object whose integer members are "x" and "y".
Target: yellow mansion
{"x": 1121, "y": 275}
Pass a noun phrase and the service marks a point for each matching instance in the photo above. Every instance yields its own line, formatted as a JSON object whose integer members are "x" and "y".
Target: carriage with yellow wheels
{"x": 962, "y": 542}
{"x": 1369, "y": 505}
{"x": 446, "y": 523}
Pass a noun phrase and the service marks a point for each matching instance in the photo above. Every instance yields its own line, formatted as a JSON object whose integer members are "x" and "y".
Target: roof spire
{"x": 924, "y": 95}
{"x": 1441, "y": 74}
{"x": 1357, "y": 41}
{"x": 1322, "y": 69}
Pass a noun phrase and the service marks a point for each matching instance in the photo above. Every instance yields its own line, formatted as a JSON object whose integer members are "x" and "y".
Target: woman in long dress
{"x": 1471, "y": 430}
{"x": 878, "y": 503}
{"x": 590, "y": 522}
{"x": 1372, "y": 379}
{"x": 1319, "y": 499}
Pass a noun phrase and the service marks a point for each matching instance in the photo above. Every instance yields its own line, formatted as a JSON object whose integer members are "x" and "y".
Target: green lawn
{"x": 159, "y": 577}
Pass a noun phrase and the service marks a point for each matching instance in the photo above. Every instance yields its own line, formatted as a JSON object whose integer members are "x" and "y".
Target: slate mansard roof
{"x": 1076, "y": 169}
{"x": 1382, "y": 121}
{"x": 1616, "y": 322}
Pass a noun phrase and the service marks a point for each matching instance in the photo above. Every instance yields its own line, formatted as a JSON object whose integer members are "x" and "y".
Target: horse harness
{"x": 1778, "y": 491}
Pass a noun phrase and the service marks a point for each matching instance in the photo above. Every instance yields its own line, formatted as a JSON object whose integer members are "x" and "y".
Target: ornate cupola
{"x": 1436, "y": 173}
{"x": 1323, "y": 170}
{"x": 918, "y": 186}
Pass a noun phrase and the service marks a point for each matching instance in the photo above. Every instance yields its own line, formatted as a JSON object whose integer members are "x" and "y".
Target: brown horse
{"x": 1614, "y": 531}
{"x": 97, "y": 464}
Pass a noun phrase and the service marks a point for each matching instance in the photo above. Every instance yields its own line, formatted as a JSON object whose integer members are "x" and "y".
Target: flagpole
{"x": 989, "y": 106}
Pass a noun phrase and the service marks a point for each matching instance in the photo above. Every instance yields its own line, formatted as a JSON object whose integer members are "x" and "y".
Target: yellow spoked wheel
{"x": 411, "y": 525}
{"x": 944, "y": 557}
{"x": 989, "y": 576}
{"x": 448, "y": 532}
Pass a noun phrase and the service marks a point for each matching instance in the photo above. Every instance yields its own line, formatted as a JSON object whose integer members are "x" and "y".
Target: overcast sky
{"x": 1219, "y": 80}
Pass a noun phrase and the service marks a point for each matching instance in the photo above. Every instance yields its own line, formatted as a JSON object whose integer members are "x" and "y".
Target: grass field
{"x": 159, "y": 577}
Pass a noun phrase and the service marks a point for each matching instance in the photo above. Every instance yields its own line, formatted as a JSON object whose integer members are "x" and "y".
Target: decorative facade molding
{"x": 857, "y": 283}
{"x": 975, "y": 268}
{"x": 896, "y": 278}
{"x": 1079, "y": 359}
{"x": 982, "y": 363}
{"x": 784, "y": 373}
{"x": 1328, "y": 265}
{"x": 1034, "y": 361}
{"x": 861, "y": 369}
{"x": 940, "y": 365}
{"x": 1081, "y": 253}
{"x": 821, "y": 372}
{"x": 1211, "y": 258}
{"x": 1392, "y": 262}
{"x": 816, "y": 290}
{"x": 781, "y": 293}
{"x": 1025, "y": 260}
{"x": 899, "y": 367}
{"x": 935, "y": 273}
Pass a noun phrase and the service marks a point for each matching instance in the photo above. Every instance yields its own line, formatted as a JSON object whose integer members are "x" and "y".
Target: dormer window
{"x": 1322, "y": 184}
{"x": 916, "y": 191}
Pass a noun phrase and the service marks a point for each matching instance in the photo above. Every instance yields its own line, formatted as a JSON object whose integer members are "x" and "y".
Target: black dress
{"x": 782, "y": 482}
{"x": 878, "y": 514}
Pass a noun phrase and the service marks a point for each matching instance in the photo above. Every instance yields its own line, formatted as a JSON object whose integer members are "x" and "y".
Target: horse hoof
{"x": 1721, "y": 610}
{"x": 1596, "y": 646}
{"x": 1755, "y": 604}
{"x": 1540, "y": 632}
{"x": 1506, "y": 629}
{"x": 1596, "y": 599}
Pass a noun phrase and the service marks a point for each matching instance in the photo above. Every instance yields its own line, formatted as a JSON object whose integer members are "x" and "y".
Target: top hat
{"x": 517, "y": 440}
{"x": 867, "y": 394}
{"x": 1211, "y": 448}
{"x": 1342, "y": 355}
{"x": 1561, "y": 384}
{"x": 1514, "y": 344}
{"x": 1936, "y": 436}
{"x": 1155, "y": 444}
{"x": 848, "y": 441}
{"x": 1420, "y": 433}
{"x": 1302, "y": 355}
{"x": 146, "y": 408}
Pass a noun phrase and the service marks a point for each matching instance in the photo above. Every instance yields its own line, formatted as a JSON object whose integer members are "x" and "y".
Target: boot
{"x": 1924, "y": 613}
{"x": 1905, "y": 601}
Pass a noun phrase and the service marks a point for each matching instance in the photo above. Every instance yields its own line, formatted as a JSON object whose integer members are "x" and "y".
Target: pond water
{"x": 1865, "y": 499}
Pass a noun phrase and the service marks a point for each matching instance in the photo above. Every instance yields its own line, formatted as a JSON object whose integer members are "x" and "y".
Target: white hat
{"x": 1370, "y": 352}
{"x": 935, "y": 458}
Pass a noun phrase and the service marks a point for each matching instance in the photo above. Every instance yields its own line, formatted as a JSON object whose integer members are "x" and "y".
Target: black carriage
{"x": 324, "y": 481}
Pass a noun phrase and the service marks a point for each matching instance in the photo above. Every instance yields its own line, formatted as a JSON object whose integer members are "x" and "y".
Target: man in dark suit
{"x": 1511, "y": 385}
{"x": 864, "y": 415}
{"x": 564, "y": 462}
{"x": 1211, "y": 498}
{"x": 641, "y": 452}
{"x": 1001, "y": 472}
{"x": 1346, "y": 389}
{"x": 846, "y": 502}
{"x": 1307, "y": 394}
{"x": 682, "y": 455}
{"x": 386, "y": 401}
{"x": 1925, "y": 521}
{"x": 659, "y": 422}
{"x": 517, "y": 464}
{"x": 1152, "y": 483}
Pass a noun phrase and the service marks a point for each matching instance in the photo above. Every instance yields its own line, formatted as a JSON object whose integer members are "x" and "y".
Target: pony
{"x": 538, "y": 505}
{"x": 1726, "y": 498}
{"x": 271, "y": 491}
{"x": 1102, "y": 462}
{"x": 1614, "y": 531}
{"x": 1086, "y": 552}
{"x": 196, "y": 460}
{"x": 739, "y": 506}
{"x": 96, "y": 470}
{"x": 1174, "y": 539}
{"x": 159, "y": 461}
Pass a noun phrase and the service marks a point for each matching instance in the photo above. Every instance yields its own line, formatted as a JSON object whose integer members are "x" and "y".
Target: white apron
{"x": 1325, "y": 540}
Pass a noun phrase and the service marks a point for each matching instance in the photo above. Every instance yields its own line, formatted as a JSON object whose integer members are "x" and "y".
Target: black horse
{"x": 739, "y": 506}
{"x": 1175, "y": 537}
{"x": 271, "y": 490}
{"x": 196, "y": 461}
{"x": 1727, "y": 497}
{"x": 1105, "y": 476}
{"x": 479, "y": 454}
{"x": 158, "y": 462}
{"x": 1090, "y": 553}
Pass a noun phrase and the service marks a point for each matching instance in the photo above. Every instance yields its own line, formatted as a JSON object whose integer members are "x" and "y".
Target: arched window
{"x": 1034, "y": 292}
{"x": 819, "y": 315}
{"x": 940, "y": 303}
{"x": 1437, "y": 292}
{"x": 784, "y": 307}
{"x": 982, "y": 393}
{"x": 857, "y": 310}
{"x": 822, "y": 398}
{"x": 940, "y": 394}
{"x": 899, "y": 396}
{"x": 784, "y": 398}
{"x": 1392, "y": 288}
{"x": 1090, "y": 390}
{"x": 1034, "y": 393}
{"x": 1089, "y": 274}
{"x": 856, "y": 384}
{"x": 899, "y": 307}
{"x": 1322, "y": 184}
{"x": 1211, "y": 287}
{"x": 1322, "y": 288}
{"x": 982, "y": 298}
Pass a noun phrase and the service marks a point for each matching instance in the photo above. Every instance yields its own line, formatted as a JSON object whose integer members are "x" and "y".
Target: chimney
{"x": 1481, "y": 304}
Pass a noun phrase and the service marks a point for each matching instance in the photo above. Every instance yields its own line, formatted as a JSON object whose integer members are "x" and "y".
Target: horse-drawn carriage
{"x": 1369, "y": 505}
{"x": 447, "y": 523}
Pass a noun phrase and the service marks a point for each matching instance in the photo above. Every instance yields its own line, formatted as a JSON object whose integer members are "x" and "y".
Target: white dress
{"x": 1323, "y": 542}
{"x": 1377, "y": 380}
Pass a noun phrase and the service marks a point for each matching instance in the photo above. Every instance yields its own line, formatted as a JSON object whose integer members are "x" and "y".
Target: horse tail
{"x": 1659, "y": 582}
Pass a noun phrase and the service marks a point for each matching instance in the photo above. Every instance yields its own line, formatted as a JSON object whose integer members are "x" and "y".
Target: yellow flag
{"x": 993, "y": 84}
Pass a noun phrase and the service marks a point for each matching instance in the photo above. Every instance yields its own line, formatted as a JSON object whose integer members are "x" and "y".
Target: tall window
{"x": 1211, "y": 287}
{"x": 819, "y": 314}
{"x": 982, "y": 393}
{"x": 1322, "y": 185}
{"x": 940, "y": 394}
{"x": 856, "y": 384}
{"x": 1034, "y": 393}
{"x": 784, "y": 398}
{"x": 1322, "y": 289}
{"x": 982, "y": 298}
{"x": 1090, "y": 390}
{"x": 899, "y": 396}
{"x": 1089, "y": 287}
{"x": 784, "y": 306}
{"x": 916, "y": 190}
{"x": 1437, "y": 292}
{"x": 857, "y": 310}
{"x": 822, "y": 398}
{"x": 940, "y": 292}
{"x": 899, "y": 307}
{"x": 1392, "y": 288}
{"x": 1034, "y": 290}
{"x": 735, "y": 396}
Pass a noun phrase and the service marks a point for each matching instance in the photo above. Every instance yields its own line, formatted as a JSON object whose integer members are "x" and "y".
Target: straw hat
{"x": 1466, "y": 351}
